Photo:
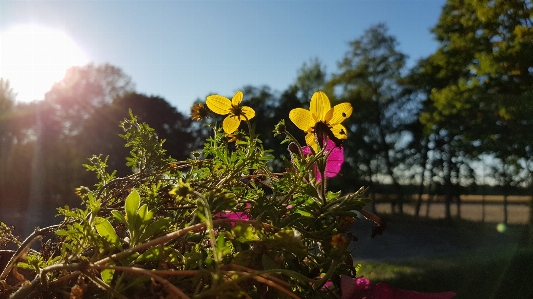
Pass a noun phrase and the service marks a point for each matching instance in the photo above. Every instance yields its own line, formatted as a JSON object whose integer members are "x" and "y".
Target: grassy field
{"x": 477, "y": 262}
{"x": 501, "y": 272}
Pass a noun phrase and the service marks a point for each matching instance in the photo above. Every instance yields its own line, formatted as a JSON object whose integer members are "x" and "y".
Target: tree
{"x": 82, "y": 91}
{"x": 310, "y": 77}
{"x": 368, "y": 78}
{"x": 7, "y": 101}
{"x": 100, "y": 134}
{"x": 48, "y": 158}
{"x": 481, "y": 95}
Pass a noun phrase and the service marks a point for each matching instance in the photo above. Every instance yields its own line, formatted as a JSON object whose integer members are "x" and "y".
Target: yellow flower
{"x": 235, "y": 137}
{"x": 322, "y": 120}
{"x": 338, "y": 241}
{"x": 199, "y": 111}
{"x": 222, "y": 105}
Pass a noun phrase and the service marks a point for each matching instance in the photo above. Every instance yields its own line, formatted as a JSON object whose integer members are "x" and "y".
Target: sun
{"x": 34, "y": 57}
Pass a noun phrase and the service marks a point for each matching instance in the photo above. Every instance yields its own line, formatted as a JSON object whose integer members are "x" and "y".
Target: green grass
{"x": 504, "y": 271}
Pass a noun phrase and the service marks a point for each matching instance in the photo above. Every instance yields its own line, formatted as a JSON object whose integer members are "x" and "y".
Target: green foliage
{"x": 218, "y": 224}
{"x": 6, "y": 235}
{"x": 369, "y": 78}
{"x": 475, "y": 84}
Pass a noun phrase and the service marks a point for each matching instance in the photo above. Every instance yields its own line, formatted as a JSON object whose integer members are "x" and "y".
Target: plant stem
{"x": 171, "y": 236}
{"x": 24, "y": 247}
{"x": 170, "y": 287}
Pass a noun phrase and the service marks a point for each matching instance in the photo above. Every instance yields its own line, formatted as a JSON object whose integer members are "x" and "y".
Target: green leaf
{"x": 290, "y": 240}
{"x": 132, "y": 205}
{"x": 107, "y": 275}
{"x": 119, "y": 216}
{"x": 144, "y": 216}
{"x": 62, "y": 232}
{"x": 332, "y": 195}
{"x": 268, "y": 262}
{"x": 224, "y": 247}
{"x": 244, "y": 233}
{"x": 154, "y": 228}
{"x": 106, "y": 230}
{"x": 151, "y": 255}
{"x": 142, "y": 280}
{"x": 242, "y": 258}
{"x": 295, "y": 218}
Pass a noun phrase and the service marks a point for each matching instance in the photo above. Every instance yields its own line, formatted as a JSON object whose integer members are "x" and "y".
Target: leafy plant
{"x": 218, "y": 225}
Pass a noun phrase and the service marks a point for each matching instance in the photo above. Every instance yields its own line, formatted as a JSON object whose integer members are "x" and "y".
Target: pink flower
{"x": 229, "y": 214}
{"x": 335, "y": 158}
{"x": 328, "y": 284}
{"x": 232, "y": 215}
{"x": 361, "y": 288}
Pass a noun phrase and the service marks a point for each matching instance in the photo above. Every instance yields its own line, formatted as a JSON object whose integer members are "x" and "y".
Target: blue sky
{"x": 185, "y": 50}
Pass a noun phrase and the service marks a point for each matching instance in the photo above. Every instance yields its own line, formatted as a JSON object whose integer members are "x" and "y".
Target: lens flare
{"x": 34, "y": 57}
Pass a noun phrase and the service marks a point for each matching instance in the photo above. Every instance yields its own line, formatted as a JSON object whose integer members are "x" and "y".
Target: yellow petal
{"x": 230, "y": 124}
{"x": 248, "y": 112}
{"x": 320, "y": 105}
{"x": 218, "y": 104}
{"x": 237, "y": 98}
{"x": 341, "y": 112}
{"x": 339, "y": 131}
{"x": 302, "y": 118}
{"x": 328, "y": 115}
{"x": 311, "y": 141}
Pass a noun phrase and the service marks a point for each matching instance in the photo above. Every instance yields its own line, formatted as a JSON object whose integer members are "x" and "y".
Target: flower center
{"x": 236, "y": 110}
{"x": 322, "y": 131}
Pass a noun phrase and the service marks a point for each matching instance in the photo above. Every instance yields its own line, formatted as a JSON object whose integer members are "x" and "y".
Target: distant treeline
{"x": 427, "y": 129}
{"x": 412, "y": 190}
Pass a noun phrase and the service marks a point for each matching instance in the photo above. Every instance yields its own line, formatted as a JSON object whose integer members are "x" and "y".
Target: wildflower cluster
{"x": 218, "y": 225}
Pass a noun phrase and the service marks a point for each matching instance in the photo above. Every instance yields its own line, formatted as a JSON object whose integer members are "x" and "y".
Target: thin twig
{"x": 269, "y": 277}
{"x": 276, "y": 286}
{"x": 164, "y": 282}
{"x": 24, "y": 247}
{"x": 51, "y": 268}
{"x": 176, "y": 272}
{"x": 27, "y": 289}
{"x": 171, "y": 236}
{"x": 103, "y": 285}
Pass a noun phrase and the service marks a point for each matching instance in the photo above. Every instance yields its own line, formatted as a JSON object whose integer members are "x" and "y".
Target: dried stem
{"x": 170, "y": 287}
{"x": 171, "y": 236}
{"x": 25, "y": 246}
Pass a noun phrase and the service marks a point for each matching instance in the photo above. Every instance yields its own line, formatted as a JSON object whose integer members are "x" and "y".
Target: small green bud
{"x": 280, "y": 128}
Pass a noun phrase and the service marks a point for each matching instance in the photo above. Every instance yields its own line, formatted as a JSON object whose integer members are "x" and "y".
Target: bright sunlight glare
{"x": 33, "y": 58}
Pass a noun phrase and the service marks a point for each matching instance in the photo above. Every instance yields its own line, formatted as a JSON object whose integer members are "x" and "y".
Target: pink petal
{"x": 335, "y": 159}
{"x": 228, "y": 214}
{"x": 307, "y": 151}
{"x": 360, "y": 288}
{"x": 355, "y": 288}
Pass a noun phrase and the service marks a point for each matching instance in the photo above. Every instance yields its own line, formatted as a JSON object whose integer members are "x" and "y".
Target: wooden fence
{"x": 488, "y": 208}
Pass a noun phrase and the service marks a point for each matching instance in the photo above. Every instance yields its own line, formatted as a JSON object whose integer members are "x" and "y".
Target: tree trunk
{"x": 34, "y": 212}
{"x": 530, "y": 241}
{"x": 457, "y": 192}
{"x": 423, "y": 164}
{"x": 505, "y": 203}
{"x": 448, "y": 186}
{"x": 390, "y": 173}
{"x": 372, "y": 192}
{"x": 431, "y": 191}
{"x": 483, "y": 207}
